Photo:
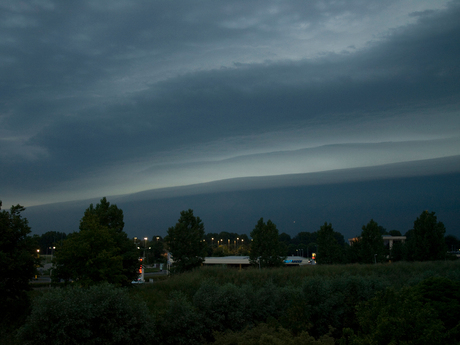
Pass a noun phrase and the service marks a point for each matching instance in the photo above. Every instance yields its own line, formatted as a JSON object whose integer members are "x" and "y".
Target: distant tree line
{"x": 425, "y": 241}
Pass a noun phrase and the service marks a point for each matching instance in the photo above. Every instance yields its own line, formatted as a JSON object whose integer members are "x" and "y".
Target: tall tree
{"x": 18, "y": 262}
{"x": 371, "y": 247}
{"x": 100, "y": 251}
{"x": 427, "y": 238}
{"x": 329, "y": 250}
{"x": 107, "y": 215}
{"x": 185, "y": 242}
{"x": 266, "y": 248}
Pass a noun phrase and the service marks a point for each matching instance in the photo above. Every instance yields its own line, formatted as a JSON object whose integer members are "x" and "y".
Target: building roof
{"x": 244, "y": 260}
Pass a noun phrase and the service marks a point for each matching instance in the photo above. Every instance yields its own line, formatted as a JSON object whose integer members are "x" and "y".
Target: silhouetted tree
{"x": 100, "y": 251}
{"x": 18, "y": 262}
{"x": 185, "y": 242}
{"x": 329, "y": 251}
{"x": 369, "y": 247}
{"x": 266, "y": 248}
{"x": 426, "y": 242}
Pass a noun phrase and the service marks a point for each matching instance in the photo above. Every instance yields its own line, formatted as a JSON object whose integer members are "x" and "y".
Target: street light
{"x": 145, "y": 244}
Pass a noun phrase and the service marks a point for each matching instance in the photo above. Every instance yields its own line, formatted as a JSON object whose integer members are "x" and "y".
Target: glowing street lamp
{"x": 145, "y": 244}
{"x": 52, "y": 251}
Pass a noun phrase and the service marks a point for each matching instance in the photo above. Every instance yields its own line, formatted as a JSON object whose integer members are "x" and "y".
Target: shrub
{"x": 330, "y": 302}
{"x": 101, "y": 314}
{"x": 272, "y": 301}
{"x": 223, "y": 307}
{"x": 396, "y": 317}
{"x": 181, "y": 323}
{"x": 443, "y": 296}
{"x": 264, "y": 334}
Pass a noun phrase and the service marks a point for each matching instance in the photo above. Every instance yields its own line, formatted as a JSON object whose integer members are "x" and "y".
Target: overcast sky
{"x": 102, "y": 98}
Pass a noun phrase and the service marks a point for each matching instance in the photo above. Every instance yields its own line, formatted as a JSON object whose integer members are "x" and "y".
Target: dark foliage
{"x": 100, "y": 252}
{"x": 185, "y": 242}
{"x": 266, "y": 249}
{"x": 396, "y": 317}
{"x": 18, "y": 263}
{"x": 426, "y": 240}
{"x": 101, "y": 314}
{"x": 181, "y": 323}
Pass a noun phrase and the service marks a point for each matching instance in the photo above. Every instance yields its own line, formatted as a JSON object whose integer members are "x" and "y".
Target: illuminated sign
{"x": 293, "y": 261}
{"x": 141, "y": 268}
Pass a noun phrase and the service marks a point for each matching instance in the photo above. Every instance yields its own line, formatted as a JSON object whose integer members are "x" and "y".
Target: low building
{"x": 388, "y": 240}
{"x": 243, "y": 261}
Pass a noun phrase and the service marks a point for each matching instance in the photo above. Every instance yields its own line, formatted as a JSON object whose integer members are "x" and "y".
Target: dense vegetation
{"x": 100, "y": 314}
{"x": 18, "y": 262}
{"x": 416, "y": 301}
{"x": 100, "y": 252}
{"x": 185, "y": 242}
{"x": 314, "y": 304}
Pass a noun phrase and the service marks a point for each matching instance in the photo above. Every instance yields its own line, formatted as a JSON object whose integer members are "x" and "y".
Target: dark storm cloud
{"x": 346, "y": 198}
{"x": 106, "y": 96}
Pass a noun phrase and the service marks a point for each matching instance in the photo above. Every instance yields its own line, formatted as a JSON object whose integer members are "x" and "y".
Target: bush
{"x": 272, "y": 301}
{"x": 443, "y": 296}
{"x": 181, "y": 324}
{"x": 223, "y": 307}
{"x": 331, "y": 302}
{"x": 264, "y": 334}
{"x": 101, "y": 314}
{"x": 396, "y": 317}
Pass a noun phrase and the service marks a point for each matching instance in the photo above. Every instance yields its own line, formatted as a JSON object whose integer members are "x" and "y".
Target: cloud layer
{"x": 113, "y": 97}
